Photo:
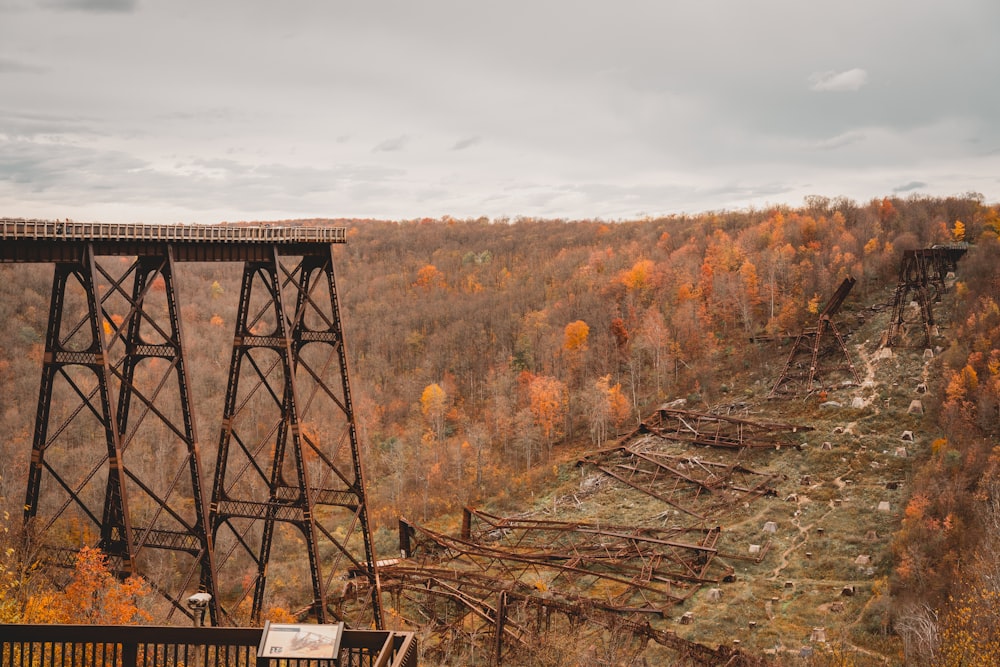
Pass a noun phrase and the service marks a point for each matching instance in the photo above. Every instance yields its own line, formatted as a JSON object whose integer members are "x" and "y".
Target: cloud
{"x": 33, "y": 124}
{"x": 464, "y": 143}
{"x": 838, "y": 82}
{"x": 391, "y": 145}
{"x": 841, "y": 140}
{"x": 66, "y": 175}
{"x": 621, "y": 201}
{"x": 908, "y": 187}
{"x": 101, "y": 6}
{"x": 8, "y": 66}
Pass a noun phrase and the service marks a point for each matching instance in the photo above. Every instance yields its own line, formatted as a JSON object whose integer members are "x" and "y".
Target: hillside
{"x": 488, "y": 357}
{"x": 802, "y": 564}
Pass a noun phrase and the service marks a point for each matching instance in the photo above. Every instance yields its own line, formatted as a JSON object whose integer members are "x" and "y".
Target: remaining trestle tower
{"x": 921, "y": 281}
{"x": 116, "y": 391}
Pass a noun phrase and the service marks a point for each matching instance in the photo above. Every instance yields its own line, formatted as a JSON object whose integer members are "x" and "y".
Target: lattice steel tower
{"x": 116, "y": 459}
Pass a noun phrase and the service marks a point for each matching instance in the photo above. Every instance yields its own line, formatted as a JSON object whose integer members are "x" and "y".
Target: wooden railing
{"x": 54, "y": 230}
{"x": 163, "y": 646}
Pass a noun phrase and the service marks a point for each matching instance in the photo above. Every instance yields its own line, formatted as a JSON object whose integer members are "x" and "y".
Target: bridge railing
{"x": 54, "y": 230}
{"x": 162, "y": 646}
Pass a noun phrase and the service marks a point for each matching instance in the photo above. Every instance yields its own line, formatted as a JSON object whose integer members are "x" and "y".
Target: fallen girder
{"x": 512, "y": 615}
{"x": 680, "y": 481}
{"x": 645, "y": 578}
{"x": 592, "y": 543}
{"x": 710, "y": 430}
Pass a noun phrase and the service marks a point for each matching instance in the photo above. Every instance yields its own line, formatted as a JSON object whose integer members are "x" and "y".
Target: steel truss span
{"x": 115, "y": 392}
{"x": 66, "y": 241}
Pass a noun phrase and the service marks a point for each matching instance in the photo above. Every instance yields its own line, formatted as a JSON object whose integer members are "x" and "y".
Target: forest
{"x": 486, "y": 354}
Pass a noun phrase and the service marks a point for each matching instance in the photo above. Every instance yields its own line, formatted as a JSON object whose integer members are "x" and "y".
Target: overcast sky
{"x": 211, "y": 110}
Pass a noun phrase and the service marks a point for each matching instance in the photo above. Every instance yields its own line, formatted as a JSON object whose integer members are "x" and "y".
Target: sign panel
{"x": 315, "y": 642}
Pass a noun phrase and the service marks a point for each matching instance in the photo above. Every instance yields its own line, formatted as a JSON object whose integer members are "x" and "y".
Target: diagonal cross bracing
{"x": 819, "y": 354}
{"x": 921, "y": 281}
{"x": 711, "y": 430}
{"x": 114, "y": 375}
{"x": 700, "y": 488}
{"x": 113, "y": 353}
{"x": 281, "y": 463}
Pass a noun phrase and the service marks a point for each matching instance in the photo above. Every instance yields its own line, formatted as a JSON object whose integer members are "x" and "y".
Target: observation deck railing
{"x": 162, "y": 646}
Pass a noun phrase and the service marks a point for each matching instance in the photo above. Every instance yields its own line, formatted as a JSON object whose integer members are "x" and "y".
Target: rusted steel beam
{"x": 543, "y": 564}
{"x": 114, "y": 364}
{"x": 719, "y": 431}
{"x": 837, "y": 300}
{"x": 921, "y": 272}
{"x": 651, "y": 492}
{"x": 491, "y": 524}
{"x": 913, "y": 285}
{"x": 659, "y": 476}
{"x": 420, "y": 583}
{"x": 620, "y": 556}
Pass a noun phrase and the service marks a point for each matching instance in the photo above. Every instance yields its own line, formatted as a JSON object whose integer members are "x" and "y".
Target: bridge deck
{"x": 56, "y": 241}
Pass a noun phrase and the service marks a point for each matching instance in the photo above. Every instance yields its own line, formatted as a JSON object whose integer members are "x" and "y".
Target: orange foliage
{"x": 619, "y": 405}
{"x": 280, "y": 615}
{"x": 429, "y": 277}
{"x": 886, "y": 211}
{"x": 751, "y": 283}
{"x": 639, "y": 277}
{"x": 548, "y": 401}
{"x": 962, "y": 384}
{"x": 575, "y": 336}
{"x": 958, "y": 231}
{"x": 433, "y": 401}
{"x": 93, "y": 596}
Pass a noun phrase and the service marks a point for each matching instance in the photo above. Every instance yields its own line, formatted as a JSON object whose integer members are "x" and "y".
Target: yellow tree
{"x": 619, "y": 405}
{"x": 434, "y": 405}
{"x": 958, "y": 231}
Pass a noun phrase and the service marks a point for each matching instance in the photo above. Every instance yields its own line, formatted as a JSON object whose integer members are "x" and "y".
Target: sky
{"x": 220, "y": 110}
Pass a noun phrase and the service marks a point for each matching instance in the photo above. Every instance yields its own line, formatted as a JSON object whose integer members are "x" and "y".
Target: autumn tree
{"x": 654, "y": 343}
{"x": 958, "y": 231}
{"x": 748, "y": 299}
{"x": 548, "y": 401}
{"x": 434, "y": 405}
{"x": 575, "y": 337}
{"x": 608, "y": 407}
{"x": 429, "y": 277}
{"x": 93, "y": 596}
